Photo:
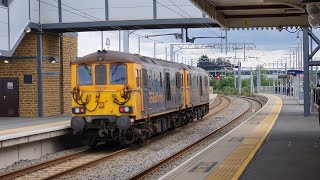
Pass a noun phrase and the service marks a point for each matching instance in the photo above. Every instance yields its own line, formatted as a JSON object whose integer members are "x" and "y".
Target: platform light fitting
{"x": 6, "y": 61}
{"x": 313, "y": 9}
{"x": 27, "y": 29}
{"x": 52, "y": 60}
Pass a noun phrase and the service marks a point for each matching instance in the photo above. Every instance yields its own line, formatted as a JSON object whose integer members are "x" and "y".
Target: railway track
{"x": 85, "y": 158}
{"x": 143, "y": 174}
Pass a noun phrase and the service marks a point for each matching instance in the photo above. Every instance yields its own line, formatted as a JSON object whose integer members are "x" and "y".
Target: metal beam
{"x": 252, "y": 7}
{"x": 306, "y": 87}
{"x": 247, "y": 46}
{"x": 60, "y": 11}
{"x": 107, "y": 9}
{"x": 267, "y": 22}
{"x": 128, "y": 25}
{"x": 314, "y": 63}
{"x": 39, "y": 74}
{"x": 154, "y": 9}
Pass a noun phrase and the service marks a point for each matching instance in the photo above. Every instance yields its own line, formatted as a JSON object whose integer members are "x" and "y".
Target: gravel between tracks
{"x": 26, "y": 163}
{"x": 137, "y": 160}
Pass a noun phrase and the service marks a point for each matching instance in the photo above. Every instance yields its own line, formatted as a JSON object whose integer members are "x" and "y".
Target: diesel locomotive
{"x": 128, "y": 97}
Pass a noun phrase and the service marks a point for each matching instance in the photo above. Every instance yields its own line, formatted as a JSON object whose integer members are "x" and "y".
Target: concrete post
{"x": 235, "y": 79}
{"x": 171, "y": 53}
{"x": 166, "y": 52}
{"x": 101, "y": 40}
{"x": 119, "y": 41}
{"x": 239, "y": 78}
{"x": 125, "y": 44}
{"x": 154, "y": 50}
{"x": 306, "y": 87}
{"x": 251, "y": 82}
{"x": 139, "y": 45}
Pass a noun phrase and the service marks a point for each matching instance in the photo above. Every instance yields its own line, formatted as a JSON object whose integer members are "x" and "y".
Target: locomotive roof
{"x": 121, "y": 57}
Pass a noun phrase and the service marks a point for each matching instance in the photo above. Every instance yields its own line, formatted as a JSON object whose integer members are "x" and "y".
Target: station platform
{"x": 278, "y": 142}
{"x": 17, "y": 130}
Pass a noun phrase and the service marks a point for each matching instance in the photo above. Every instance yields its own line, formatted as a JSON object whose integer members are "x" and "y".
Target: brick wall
{"x": 69, "y": 50}
{"x": 28, "y": 94}
{"x": 51, "y": 97}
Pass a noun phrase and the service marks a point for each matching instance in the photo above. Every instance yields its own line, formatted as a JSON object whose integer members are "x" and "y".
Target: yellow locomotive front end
{"x": 106, "y": 98}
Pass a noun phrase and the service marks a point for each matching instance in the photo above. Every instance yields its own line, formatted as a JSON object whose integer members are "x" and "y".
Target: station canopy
{"x": 255, "y": 13}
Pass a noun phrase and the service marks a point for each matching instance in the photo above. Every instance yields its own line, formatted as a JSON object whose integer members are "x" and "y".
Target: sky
{"x": 271, "y": 45}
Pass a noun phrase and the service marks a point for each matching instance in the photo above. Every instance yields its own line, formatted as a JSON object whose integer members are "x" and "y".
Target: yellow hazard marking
{"x": 234, "y": 165}
{"x": 32, "y": 128}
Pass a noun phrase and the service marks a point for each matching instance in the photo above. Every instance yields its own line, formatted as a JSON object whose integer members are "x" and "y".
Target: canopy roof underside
{"x": 255, "y": 13}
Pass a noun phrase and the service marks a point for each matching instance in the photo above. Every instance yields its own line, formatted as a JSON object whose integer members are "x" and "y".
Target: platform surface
{"x": 227, "y": 157}
{"x": 15, "y": 127}
{"x": 18, "y": 122}
{"x": 292, "y": 149}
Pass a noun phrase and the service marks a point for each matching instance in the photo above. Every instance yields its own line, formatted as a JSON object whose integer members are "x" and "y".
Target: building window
{"x": 101, "y": 75}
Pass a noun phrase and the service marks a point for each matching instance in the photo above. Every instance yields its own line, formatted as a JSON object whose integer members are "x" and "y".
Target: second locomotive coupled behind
{"x": 127, "y": 97}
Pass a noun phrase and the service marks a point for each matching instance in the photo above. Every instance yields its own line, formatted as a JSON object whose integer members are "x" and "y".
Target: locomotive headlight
{"x": 77, "y": 110}
{"x": 126, "y": 109}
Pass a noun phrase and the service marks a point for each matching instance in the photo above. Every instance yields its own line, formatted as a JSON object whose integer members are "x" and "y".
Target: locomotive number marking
{"x": 156, "y": 97}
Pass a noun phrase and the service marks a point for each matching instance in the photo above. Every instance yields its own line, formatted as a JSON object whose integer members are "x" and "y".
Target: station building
{"x": 19, "y": 76}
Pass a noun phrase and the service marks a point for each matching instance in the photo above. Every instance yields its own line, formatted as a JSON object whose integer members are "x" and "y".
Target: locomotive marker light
{"x": 78, "y": 110}
{"x": 125, "y": 109}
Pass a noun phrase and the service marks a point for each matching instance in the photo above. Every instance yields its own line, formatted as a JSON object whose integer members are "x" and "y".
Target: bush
{"x": 229, "y": 90}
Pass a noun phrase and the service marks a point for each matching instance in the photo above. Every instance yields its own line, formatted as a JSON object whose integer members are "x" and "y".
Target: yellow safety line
{"x": 36, "y": 127}
{"x": 234, "y": 165}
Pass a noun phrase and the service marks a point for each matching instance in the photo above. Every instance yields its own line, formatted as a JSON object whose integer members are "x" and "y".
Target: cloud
{"x": 271, "y": 45}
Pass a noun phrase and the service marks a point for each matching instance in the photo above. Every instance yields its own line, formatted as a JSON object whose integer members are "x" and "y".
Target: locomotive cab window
{"x": 101, "y": 74}
{"x": 118, "y": 74}
{"x": 84, "y": 76}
